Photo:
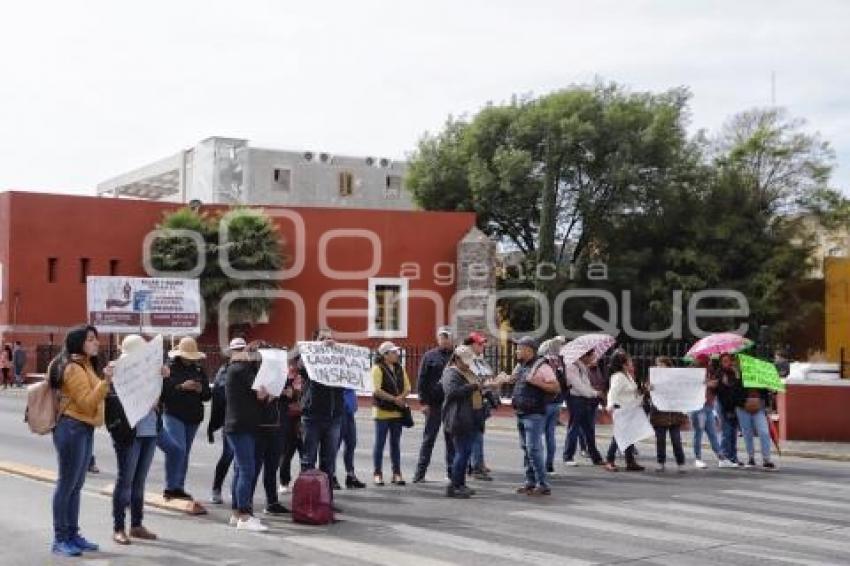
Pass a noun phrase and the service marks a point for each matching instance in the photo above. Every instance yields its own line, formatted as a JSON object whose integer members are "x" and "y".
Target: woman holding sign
{"x": 391, "y": 386}
{"x": 750, "y": 410}
{"x": 624, "y": 393}
{"x": 664, "y": 423}
{"x": 134, "y": 450}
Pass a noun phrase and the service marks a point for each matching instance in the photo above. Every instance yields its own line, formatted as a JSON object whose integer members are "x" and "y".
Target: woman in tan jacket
{"x": 82, "y": 391}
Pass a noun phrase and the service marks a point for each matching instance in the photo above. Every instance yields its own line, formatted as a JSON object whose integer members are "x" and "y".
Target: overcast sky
{"x": 92, "y": 89}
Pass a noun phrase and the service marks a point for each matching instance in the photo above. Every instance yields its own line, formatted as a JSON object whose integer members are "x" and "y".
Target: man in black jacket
{"x": 431, "y": 398}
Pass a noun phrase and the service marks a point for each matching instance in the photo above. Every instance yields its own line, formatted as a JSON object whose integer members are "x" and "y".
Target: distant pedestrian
{"x": 664, "y": 423}
{"x": 75, "y": 373}
{"x": 624, "y": 394}
{"x": 484, "y": 373}
{"x": 390, "y": 388}
{"x": 431, "y": 397}
{"x": 751, "y": 411}
{"x": 582, "y": 402}
{"x": 6, "y": 365}
{"x": 19, "y": 362}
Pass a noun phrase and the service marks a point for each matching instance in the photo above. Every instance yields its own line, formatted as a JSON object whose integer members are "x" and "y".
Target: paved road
{"x": 799, "y": 515}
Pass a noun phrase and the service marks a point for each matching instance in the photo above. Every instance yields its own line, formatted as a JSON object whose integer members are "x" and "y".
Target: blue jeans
{"x": 752, "y": 423}
{"x": 530, "y": 428}
{"x": 462, "y": 453}
{"x": 703, "y": 420}
{"x": 582, "y": 428}
{"x": 382, "y": 428}
{"x": 321, "y": 440}
{"x": 553, "y": 411}
{"x": 134, "y": 462}
{"x": 177, "y": 448}
{"x": 729, "y": 444}
{"x": 476, "y": 458}
{"x": 73, "y": 441}
{"x": 244, "y": 468}
{"x": 348, "y": 436}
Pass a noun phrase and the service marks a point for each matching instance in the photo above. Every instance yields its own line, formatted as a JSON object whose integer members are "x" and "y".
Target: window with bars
{"x": 346, "y": 183}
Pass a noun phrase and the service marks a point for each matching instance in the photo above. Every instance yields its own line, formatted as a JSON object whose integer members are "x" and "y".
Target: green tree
{"x": 253, "y": 244}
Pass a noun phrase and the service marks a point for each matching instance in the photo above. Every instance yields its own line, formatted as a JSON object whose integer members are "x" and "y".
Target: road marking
{"x": 372, "y": 553}
{"x": 629, "y": 510}
{"x": 616, "y": 528}
{"x": 741, "y": 516}
{"x": 756, "y": 552}
{"x": 786, "y": 498}
{"x": 718, "y": 499}
{"x": 486, "y": 547}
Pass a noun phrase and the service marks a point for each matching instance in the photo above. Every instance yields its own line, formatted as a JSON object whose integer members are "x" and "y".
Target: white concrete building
{"x": 229, "y": 171}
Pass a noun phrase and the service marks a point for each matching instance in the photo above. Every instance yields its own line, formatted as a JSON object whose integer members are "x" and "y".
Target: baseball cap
{"x": 238, "y": 344}
{"x": 477, "y": 338}
{"x": 387, "y": 347}
{"x": 447, "y": 330}
{"x": 465, "y": 354}
{"x": 527, "y": 341}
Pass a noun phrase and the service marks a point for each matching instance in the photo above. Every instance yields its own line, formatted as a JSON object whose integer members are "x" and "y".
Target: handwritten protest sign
{"x": 337, "y": 365}
{"x": 273, "y": 371}
{"x": 677, "y": 389}
{"x": 760, "y": 374}
{"x": 137, "y": 380}
{"x": 630, "y": 426}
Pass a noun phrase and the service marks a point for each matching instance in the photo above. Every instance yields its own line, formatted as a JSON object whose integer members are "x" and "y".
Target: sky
{"x": 89, "y": 90}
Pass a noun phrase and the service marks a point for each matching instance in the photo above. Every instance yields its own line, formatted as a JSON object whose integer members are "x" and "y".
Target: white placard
{"x": 273, "y": 371}
{"x": 148, "y": 305}
{"x": 481, "y": 368}
{"x": 337, "y": 365}
{"x": 630, "y": 426}
{"x": 137, "y": 380}
{"x": 677, "y": 389}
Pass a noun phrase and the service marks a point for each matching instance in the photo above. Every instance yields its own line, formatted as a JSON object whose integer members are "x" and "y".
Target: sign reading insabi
{"x": 337, "y": 365}
{"x": 145, "y": 305}
{"x": 677, "y": 389}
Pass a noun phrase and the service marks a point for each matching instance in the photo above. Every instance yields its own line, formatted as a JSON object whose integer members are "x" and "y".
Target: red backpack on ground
{"x": 311, "y": 498}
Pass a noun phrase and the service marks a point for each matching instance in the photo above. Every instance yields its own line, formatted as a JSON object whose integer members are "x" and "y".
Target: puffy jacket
{"x": 85, "y": 392}
{"x": 431, "y": 369}
{"x": 188, "y": 406}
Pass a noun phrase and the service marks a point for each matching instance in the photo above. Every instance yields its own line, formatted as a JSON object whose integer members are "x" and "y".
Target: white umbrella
{"x": 598, "y": 343}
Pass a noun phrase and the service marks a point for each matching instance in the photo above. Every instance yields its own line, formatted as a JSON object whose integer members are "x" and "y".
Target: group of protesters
{"x": 458, "y": 391}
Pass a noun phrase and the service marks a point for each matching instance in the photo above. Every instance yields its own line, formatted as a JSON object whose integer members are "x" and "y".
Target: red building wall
{"x": 37, "y": 226}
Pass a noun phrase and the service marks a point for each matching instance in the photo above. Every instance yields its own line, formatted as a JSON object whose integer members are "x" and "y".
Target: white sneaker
{"x": 251, "y": 524}
{"x": 726, "y": 464}
{"x": 570, "y": 463}
{"x": 233, "y": 520}
{"x": 283, "y": 489}
{"x": 660, "y": 468}
{"x": 700, "y": 465}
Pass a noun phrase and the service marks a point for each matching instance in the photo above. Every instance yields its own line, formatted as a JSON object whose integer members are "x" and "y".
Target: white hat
{"x": 131, "y": 343}
{"x": 387, "y": 347}
{"x": 447, "y": 330}
{"x": 238, "y": 344}
{"x": 465, "y": 354}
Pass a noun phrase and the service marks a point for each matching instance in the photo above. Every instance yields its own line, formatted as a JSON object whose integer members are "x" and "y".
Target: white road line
{"x": 670, "y": 518}
{"x": 372, "y": 553}
{"x": 616, "y": 528}
{"x": 755, "y": 552}
{"x": 486, "y": 547}
{"x": 815, "y": 491}
{"x": 726, "y": 513}
{"x": 719, "y": 499}
{"x": 787, "y": 498}
{"x": 840, "y": 487}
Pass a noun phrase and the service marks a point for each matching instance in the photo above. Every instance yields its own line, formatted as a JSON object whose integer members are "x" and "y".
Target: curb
{"x": 151, "y": 499}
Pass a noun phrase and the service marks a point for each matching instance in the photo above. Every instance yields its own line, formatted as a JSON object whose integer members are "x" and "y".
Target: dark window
{"x": 51, "y": 269}
{"x": 84, "y": 268}
{"x": 346, "y": 183}
{"x": 113, "y": 267}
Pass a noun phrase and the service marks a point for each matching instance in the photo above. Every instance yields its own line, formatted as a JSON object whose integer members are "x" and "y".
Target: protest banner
{"x": 630, "y": 426}
{"x": 144, "y": 305}
{"x": 337, "y": 365}
{"x": 273, "y": 371}
{"x": 760, "y": 374}
{"x": 677, "y": 389}
{"x": 137, "y": 380}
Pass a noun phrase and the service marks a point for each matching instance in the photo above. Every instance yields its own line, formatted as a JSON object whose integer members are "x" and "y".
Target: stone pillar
{"x": 476, "y": 281}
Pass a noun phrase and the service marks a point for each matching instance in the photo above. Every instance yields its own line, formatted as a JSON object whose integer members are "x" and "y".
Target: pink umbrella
{"x": 722, "y": 343}
{"x": 598, "y": 343}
